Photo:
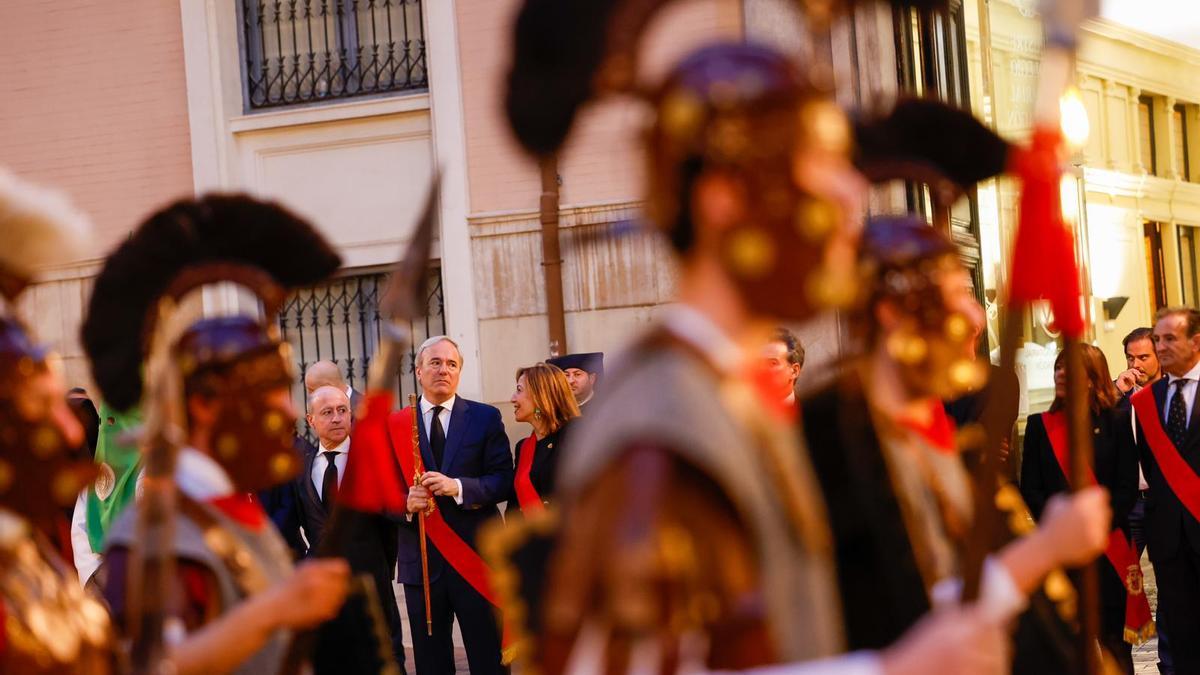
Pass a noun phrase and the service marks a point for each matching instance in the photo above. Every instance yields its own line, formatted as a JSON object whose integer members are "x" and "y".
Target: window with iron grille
{"x": 302, "y": 51}
{"x": 339, "y": 321}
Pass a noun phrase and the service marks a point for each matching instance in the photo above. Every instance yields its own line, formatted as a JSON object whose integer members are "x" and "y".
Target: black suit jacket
{"x": 1115, "y": 465}
{"x": 477, "y": 454}
{"x": 545, "y": 465}
{"x": 1168, "y": 524}
{"x": 881, "y": 587}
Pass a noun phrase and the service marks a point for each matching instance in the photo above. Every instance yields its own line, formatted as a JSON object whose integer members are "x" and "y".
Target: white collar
{"x": 590, "y": 397}
{"x": 344, "y": 446}
{"x": 689, "y": 325}
{"x": 349, "y": 392}
{"x": 1193, "y": 374}
{"x": 201, "y": 477}
{"x": 448, "y": 404}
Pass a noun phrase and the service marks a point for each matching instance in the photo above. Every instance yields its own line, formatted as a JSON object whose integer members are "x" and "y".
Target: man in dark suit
{"x": 301, "y": 511}
{"x": 469, "y": 471}
{"x": 583, "y": 372}
{"x": 1170, "y": 456}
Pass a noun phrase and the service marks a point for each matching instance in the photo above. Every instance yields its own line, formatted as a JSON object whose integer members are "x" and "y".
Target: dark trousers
{"x": 1137, "y": 520}
{"x": 1178, "y": 597}
{"x": 450, "y": 597}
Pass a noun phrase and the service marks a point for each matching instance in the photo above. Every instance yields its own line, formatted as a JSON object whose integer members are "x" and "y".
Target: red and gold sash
{"x": 1181, "y": 478}
{"x": 464, "y": 559}
{"x": 1121, "y": 553}
{"x": 527, "y": 495}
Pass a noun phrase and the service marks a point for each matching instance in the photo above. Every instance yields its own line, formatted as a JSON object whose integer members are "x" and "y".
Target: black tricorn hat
{"x": 589, "y": 362}
{"x": 209, "y": 238}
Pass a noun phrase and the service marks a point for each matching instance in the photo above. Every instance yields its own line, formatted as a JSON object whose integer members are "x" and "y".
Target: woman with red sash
{"x": 543, "y": 399}
{"x": 1125, "y": 616}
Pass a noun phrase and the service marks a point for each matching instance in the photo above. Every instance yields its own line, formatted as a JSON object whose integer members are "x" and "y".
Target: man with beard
{"x": 900, "y": 499}
{"x": 1143, "y": 369}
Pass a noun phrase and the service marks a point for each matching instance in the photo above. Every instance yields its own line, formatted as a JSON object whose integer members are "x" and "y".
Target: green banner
{"x": 120, "y": 463}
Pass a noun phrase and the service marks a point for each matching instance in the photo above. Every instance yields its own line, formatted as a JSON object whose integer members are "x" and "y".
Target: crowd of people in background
{"x": 470, "y": 464}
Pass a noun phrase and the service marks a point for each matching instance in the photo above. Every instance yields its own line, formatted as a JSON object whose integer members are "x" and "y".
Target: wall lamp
{"x": 1113, "y": 306}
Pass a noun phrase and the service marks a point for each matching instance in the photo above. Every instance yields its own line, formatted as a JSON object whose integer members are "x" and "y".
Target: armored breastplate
{"x": 49, "y": 624}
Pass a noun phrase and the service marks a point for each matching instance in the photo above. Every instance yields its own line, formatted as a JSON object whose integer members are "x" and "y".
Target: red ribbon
{"x": 243, "y": 509}
{"x": 1044, "y": 250}
{"x": 1121, "y": 553}
{"x": 464, "y": 559}
{"x": 527, "y": 495}
{"x": 938, "y": 432}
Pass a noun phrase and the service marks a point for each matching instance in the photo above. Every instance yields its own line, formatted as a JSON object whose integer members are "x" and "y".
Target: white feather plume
{"x": 39, "y": 227}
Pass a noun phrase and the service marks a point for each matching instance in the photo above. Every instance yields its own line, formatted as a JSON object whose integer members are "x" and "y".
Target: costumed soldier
{"x": 900, "y": 499}
{"x": 584, "y": 372}
{"x": 47, "y": 624}
{"x": 693, "y": 536}
{"x": 224, "y": 382}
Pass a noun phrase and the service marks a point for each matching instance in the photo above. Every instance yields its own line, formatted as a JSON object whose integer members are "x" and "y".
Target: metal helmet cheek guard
{"x": 41, "y": 473}
{"x": 744, "y": 112}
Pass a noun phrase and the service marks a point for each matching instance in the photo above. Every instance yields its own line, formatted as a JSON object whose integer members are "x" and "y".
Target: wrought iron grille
{"x": 339, "y": 321}
{"x": 300, "y": 51}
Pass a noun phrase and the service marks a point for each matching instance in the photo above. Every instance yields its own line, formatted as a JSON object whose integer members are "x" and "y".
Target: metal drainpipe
{"x": 551, "y": 256}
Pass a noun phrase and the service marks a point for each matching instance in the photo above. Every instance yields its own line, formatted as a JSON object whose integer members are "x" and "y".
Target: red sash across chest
{"x": 1120, "y": 552}
{"x": 1181, "y": 478}
{"x": 527, "y": 494}
{"x": 464, "y": 559}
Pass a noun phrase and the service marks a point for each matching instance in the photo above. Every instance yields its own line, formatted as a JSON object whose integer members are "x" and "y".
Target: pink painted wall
{"x": 601, "y": 163}
{"x": 93, "y": 101}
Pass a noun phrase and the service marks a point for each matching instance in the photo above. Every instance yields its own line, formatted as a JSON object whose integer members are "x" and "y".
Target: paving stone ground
{"x": 1145, "y": 656}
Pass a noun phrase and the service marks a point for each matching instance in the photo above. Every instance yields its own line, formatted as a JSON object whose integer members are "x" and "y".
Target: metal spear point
{"x": 406, "y": 297}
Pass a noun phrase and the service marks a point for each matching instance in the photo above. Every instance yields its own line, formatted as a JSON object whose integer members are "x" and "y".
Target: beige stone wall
{"x": 612, "y": 287}
{"x": 95, "y": 103}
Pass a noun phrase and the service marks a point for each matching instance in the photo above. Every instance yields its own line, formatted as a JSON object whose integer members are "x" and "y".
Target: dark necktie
{"x": 1177, "y": 416}
{"x": 329, "y": 484}
{"x": 437, "y": 436}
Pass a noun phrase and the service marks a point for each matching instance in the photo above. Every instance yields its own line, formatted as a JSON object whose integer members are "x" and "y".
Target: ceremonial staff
{"x": 1043, "y": 267}
{"x": 152, "y": 599}
{"x": 416, "y": 441}
{"x": 372, "y": 480}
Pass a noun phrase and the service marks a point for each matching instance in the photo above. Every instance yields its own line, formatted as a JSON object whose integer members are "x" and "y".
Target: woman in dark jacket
{"x": 1115, "y": 467}
{"x": 543, "y": 399}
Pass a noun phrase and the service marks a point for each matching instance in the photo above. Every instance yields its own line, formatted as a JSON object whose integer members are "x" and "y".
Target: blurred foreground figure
{"x": 693, "y": 534}
{"x": 47, "y": 624}
{"x": 196, "y": 576}
{"x": 900, "y": 499}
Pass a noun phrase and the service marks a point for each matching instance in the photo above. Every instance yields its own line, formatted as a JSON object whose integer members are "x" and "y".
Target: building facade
{"x": 345, "y": 110}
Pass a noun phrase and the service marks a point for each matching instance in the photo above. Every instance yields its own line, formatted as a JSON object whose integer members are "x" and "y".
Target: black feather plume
{"x": 214, "y": 228}
{"x": 922, "y": 139}
{"x": 558, "y": 50}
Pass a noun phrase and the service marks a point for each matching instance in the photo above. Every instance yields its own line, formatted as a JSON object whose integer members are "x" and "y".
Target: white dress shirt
{"x": 321, "y": 463}
{"x": 444, "y": 418}
{"x": 1192, "y": 378}
{"x": 198, "y": 476}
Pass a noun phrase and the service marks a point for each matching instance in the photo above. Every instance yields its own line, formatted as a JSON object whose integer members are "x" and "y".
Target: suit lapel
{"x": 1159, "y": 389}
{"x": 1193, "y": 428}
{"x": 310, "y": 490}
{"x": 459, "y": 419}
